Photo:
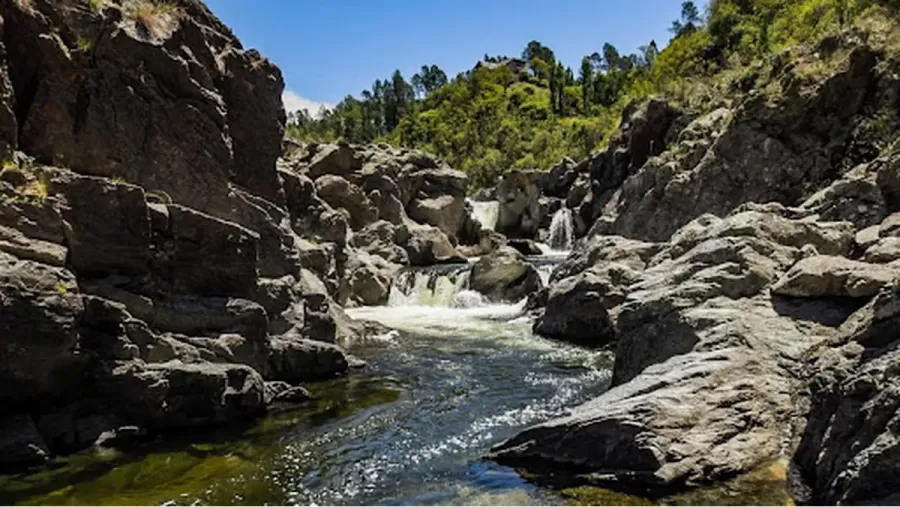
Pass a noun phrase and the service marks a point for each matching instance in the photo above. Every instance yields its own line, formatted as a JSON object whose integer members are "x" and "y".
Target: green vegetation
{"x": 490, "y": 119}
{"x": 83, "y": 44}
{"x": 96, "y": 5}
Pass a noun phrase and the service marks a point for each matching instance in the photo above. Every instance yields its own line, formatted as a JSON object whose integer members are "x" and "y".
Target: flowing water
{"x": 485, "y": 212}
{"x": 455, "y": 376}
{"x": 562, "y": 230}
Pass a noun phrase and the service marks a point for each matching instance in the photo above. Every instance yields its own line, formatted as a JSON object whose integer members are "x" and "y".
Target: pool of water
{"x": 410, "y": 429}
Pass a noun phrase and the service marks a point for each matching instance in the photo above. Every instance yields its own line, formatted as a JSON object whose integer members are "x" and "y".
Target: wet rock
{"x": 520, "y": 213}
{"x": 282, "y": 392}
{"x": 524, "y": 246}
{"x": 504, "y": 275}
{"x": 426, "y": 245}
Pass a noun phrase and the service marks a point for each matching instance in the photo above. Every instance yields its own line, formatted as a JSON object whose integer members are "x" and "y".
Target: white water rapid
{"x": 486, "y": 212}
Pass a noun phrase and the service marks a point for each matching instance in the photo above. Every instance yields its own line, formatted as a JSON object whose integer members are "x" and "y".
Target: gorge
{"x": 195, "y": 308}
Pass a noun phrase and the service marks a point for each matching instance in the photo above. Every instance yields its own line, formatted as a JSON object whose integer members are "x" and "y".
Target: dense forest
{"x": 490, "y": 119}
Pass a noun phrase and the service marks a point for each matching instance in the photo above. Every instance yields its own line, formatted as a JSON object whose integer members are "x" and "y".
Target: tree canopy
{"x": 488, "y": 120}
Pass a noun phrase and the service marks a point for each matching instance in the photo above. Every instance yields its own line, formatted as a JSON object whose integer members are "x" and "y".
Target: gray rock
{"x": 380, "y": 238}
{"x": 847, "y": 449}
{"x": 426, "y": 245}
{"x": 296, "y": 360}
{"x": 504, "y": 275}
{"x": 824, "y": 276}
{"x": 207, "y": 256}
{"x": 520, "y": 213}
{"x": 885, "y": 250}
{"x": 107, "y": 224}
{"x": 40, "y": 311}
{"x": 341, "y": 194}
{"x": 282, "y": 392}
{"x": 174, "y": 395}
{"x": 583, "y": 307}
{"x": 367, "y": 279}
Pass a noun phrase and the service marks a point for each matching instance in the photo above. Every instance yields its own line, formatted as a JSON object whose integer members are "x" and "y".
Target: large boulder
{"x": 706, "y": 360}
{"x": 341, "y": 194}
{"x": 435, "y": 195}
{"x": 825, "y": 276}
{"x": 297, "y": 360}
{"x": 380, "y": 238}
{"x": 173, "y": 395}
{"x": 426, "y": 245}
{"x": 582, "y": 308}
{"x": 520, "y": 213}
{"x": 504, "y": 275}
{"x": 367, "y": 279}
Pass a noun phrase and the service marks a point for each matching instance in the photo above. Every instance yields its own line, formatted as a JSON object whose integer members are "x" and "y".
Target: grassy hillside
{"x": 487, "y": 121}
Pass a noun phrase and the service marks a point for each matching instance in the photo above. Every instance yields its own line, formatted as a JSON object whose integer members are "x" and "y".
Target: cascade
{"x": 431, "y": 286}
{"x": 486, "y": 213}
{"x": 562, "y": 235}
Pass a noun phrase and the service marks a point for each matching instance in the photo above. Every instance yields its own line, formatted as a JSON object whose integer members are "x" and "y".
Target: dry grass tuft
{"x": 156, "y": 18}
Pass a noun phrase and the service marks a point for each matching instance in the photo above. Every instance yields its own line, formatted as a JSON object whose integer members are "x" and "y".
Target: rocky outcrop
{"x": 158, "y": 261}
{"x": 705, "y": 354}
{"x": 504, "y": 275}
{"x": 847, "y": 447}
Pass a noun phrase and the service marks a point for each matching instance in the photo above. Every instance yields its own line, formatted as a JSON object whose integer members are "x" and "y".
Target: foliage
{"x": 488, "y": 120}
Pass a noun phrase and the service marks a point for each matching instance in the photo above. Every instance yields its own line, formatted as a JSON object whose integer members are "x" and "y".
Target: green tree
{"x": 586, "y": 78}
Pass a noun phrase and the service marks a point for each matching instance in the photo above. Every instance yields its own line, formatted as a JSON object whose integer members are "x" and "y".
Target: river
{"x": 455, "y": 377}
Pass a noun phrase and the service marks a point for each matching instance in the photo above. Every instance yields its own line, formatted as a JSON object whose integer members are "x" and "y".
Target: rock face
{"x": 504, "y": 276}
{"x": 164, "y": 253}
{"x": 847, "y": 451}
{"x": 701, "y": 345}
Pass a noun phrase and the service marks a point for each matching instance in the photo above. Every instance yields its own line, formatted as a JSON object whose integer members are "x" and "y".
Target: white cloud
{"x": 294, "y": 102}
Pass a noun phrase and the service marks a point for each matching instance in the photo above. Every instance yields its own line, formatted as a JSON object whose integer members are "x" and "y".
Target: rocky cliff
{"x": 166, "y": 260}
{"x": 741, "y": 261}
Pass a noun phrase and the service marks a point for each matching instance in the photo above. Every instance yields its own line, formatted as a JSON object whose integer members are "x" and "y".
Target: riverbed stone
{"x": 504, "y": 275}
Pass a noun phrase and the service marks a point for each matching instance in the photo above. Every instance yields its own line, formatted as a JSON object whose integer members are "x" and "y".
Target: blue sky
{"x": 330, "y": 48}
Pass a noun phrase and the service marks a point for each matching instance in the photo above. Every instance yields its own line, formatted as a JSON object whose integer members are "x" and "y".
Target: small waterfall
{"x": 432, "y": 286}
{"x": 486, "y": 213}
{"x": 562, "y": 235}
